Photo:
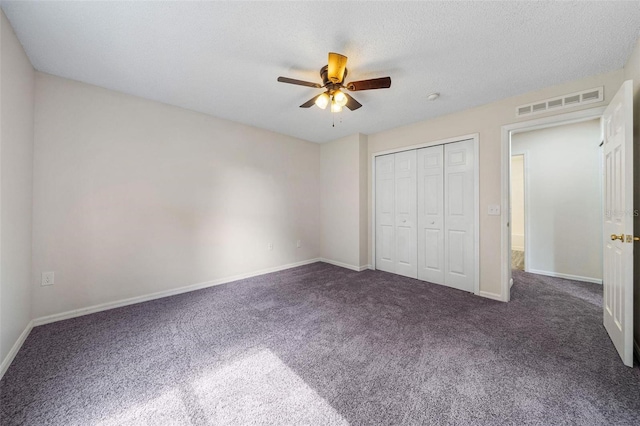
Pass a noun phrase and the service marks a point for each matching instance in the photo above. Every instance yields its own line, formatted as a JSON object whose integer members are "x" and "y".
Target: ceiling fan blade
{"x": 352, "y": 104}
{"x": 299, "y": 82}
{"x": 374, "y": 83}
{"x": 310, "y": 102}
{"x": 337, "y": 65}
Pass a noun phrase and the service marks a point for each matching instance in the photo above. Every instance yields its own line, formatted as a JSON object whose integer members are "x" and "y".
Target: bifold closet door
{"x": 459, "y": 215}
{"x": 431, "y": 214}
{"x": 406, "y": 214}
{"x": 396, "y": 238}
{"x": 385, "y": 213}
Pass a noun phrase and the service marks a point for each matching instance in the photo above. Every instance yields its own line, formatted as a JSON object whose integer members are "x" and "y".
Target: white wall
{"x": 343, "y": 213}
{"x": 564, "y": 210}
{"x": 16, "y": 170}
{"x": 133, "y": 197}
{"x": 517, "y": 202}
{"x": 486, "y": 120}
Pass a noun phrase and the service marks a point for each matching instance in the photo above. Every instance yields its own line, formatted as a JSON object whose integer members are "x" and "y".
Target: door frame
{"x": 476, "y": 190}
{"x": 507, "y": 131}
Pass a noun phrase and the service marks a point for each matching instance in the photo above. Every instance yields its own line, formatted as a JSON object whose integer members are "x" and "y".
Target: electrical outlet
{"x": 270, "y": 246}
{"x": 494, "y": 210}
{"x": 299, "y": 244}
{"x": 47, "y": 278}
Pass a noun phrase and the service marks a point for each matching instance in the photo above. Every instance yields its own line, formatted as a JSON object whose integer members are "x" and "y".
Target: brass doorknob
{"x": 617, "y": 237}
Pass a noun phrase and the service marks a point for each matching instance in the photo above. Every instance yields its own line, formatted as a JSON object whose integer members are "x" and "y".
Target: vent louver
{"x": 566, "y": 101}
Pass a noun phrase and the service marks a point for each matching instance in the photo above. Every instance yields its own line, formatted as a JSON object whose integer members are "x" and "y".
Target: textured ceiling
{"x": 223, "y": 58}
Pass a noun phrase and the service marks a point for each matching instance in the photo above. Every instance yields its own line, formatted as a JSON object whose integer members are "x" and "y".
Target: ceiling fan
{"x": 333, "y": 76}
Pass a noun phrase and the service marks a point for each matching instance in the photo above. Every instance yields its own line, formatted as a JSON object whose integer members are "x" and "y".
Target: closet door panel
{"x": 385, "y": 213}
{"x": 459, "y": 215}
{"x": 431, "y": 214}
{"x": 405, "y": 214}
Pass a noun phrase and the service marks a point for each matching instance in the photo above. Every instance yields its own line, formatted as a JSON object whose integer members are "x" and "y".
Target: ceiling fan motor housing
{"x": 324, "y": 74}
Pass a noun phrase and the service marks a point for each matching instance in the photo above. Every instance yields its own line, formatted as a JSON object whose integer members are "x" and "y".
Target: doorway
{"x": 508, "y": 133}
{"x": 561, "y": 201}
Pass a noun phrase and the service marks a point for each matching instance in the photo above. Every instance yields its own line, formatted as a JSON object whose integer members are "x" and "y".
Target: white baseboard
{"x": 488, "y": 295}
{"x": 566, "y": 276}
{"x": 6, "y": 362}
{"x": 345, "y": 265}
{"x": 133, "y": 300}
{"x": 516, "y": 247}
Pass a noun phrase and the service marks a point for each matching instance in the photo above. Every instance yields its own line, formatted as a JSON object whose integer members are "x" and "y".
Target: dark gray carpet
{"x": 323, "y": 345}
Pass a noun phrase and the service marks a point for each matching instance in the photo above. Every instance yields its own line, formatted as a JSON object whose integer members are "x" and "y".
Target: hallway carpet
{"x": 322, "y": 345}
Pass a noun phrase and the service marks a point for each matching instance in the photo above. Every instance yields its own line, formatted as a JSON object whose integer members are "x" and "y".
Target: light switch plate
{"x": 494, "y": 209}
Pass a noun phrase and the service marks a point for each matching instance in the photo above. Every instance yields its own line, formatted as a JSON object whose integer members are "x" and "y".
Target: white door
{"x": 618, "y": 221}
{"x": 385, "y": 213}
{"x": 405, "y": 214}
{"x": 459, "y": 215}
{"x": 431, "y": 214}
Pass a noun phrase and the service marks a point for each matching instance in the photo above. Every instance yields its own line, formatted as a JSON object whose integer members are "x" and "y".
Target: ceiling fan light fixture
{"x": 333, "y": 77}
{"x": 322, "y": 101}
{"x": 340, "y": 98}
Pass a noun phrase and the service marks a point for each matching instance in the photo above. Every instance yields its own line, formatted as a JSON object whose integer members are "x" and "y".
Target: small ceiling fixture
{"x": 433, "y": 96}
{"x": 333, "y": 76}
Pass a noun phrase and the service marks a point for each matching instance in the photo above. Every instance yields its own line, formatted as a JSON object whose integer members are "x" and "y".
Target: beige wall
{"x": 16, "y": 171}
{"x": 564, "y": 200}
{"x": 486, "y": 120}
{"x": 133, "y": 197}
{"x": 364, "y": 210}
{"x": 632, "y": 72}
{"x": 343, "y": 206}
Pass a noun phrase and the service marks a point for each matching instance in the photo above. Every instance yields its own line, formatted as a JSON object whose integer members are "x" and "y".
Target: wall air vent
{"x": 566, "y": 101}
{"x": 524, "y": 110}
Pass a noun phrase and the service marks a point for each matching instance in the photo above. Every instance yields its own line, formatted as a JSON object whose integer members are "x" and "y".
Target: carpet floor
{"x": 322, "y": 345}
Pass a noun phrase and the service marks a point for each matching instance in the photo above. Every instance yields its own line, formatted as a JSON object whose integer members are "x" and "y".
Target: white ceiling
{"x": 223, "y": 58}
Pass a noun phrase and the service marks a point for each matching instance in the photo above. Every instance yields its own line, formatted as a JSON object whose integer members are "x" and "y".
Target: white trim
{"x": 505, "y": 162}
{"x": 476, "y": 219}
{"x": 345, "y": 265}
{"x": 372, "y": 242}
{"x": 159, "y": 295}
{"x": 476, "y": 151}
{"x": 566, "y": 276}
{"x": 6, "y": 362}
{"x": 426, "y": 144}
{"x": 489, "y": 295}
